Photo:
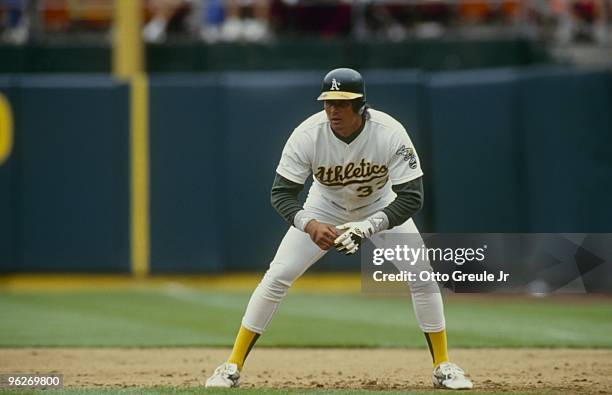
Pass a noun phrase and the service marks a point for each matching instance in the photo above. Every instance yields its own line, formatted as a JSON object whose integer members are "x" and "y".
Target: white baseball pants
{"x": 297, "y": 252}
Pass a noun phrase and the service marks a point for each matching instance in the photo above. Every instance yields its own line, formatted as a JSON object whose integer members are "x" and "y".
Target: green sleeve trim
{"x": 284, "y": 197}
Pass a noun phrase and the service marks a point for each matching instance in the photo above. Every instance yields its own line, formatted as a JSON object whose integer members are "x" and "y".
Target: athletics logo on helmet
{"x": 342, "y": 84}
{"x": 335, "y": 85}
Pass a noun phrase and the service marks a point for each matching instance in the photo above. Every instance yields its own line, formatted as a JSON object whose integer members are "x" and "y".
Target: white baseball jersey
{"x": 350, "y": 176}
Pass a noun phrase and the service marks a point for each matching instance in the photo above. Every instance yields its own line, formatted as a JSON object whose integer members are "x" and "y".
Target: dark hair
{"x": 359, "y": 105}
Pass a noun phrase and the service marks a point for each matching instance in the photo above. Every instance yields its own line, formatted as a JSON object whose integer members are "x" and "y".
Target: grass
{"x": 179, "y": 316}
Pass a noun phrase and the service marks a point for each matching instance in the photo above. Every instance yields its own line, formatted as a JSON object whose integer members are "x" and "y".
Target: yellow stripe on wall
{"x": 6, "y": 129}
{"x": 128, "y": 48}
{"x": 139, "y": 150}
{"x": 128, "y": 64}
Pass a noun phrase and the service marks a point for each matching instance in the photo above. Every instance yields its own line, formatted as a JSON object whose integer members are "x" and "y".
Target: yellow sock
{"x": 242, "y": 346}
{"x": 437, "y": 346}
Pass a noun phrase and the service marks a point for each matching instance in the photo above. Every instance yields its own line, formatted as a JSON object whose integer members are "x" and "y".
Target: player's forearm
{"x": 408, "y": 202}
{"x": 284, "y": 198}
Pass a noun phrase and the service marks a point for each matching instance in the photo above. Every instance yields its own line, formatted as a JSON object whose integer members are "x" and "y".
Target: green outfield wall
{"x": 67, "y": 182}
{"x": 503, "y": 150}
{"x": 187, "y": 139}
{"x": 566, "y": 131}
{"x": 7, "y": 130}
{"x": 475, "y": 151}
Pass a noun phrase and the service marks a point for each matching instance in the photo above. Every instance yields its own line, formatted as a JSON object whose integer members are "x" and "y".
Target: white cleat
{"x": 450, "y": 376}
{"x": 225, "y": 376}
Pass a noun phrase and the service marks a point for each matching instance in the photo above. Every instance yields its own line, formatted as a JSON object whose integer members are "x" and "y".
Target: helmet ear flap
{"x": 359, "y": 105}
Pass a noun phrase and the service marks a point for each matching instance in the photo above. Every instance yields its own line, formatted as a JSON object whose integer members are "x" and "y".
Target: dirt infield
{"x": 556, "y": 370}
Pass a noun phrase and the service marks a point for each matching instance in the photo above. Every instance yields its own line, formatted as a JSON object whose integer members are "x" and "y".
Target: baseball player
{"x": 367, "y": 183}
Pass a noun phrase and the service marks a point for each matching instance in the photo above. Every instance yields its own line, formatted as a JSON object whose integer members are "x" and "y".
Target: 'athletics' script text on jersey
{"x": 351, "y": 175}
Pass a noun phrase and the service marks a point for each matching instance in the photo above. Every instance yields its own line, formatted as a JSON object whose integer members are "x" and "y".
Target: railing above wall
{"x": 302, "y": 54}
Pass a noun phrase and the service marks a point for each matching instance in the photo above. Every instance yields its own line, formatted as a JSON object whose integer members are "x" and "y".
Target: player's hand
{"x": 354, "y": 232}
{"x": 321, "y": 234}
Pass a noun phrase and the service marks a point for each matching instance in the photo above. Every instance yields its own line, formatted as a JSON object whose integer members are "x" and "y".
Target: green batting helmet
{"x": 344, "y": 84}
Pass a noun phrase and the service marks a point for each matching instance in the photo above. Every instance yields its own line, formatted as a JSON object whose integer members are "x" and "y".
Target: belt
{"x": 356, "y": 208}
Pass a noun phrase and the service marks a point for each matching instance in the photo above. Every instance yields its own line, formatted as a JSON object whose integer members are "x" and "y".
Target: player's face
{"x": 342, "y": 118}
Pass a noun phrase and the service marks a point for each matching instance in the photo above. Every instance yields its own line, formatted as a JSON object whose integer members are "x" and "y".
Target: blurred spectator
{"x": 383, "y": 21}
{"x": 90, "y": 15}
{"x": 395, "y": 21}
{"x": 247, "y": 20}
{"x": 589, "y": 20}
{"x": 72, "y": 19}
{"x": 166, "y": 15}
{"x": 219, "y": 20}
{"x": 324, "y": 19}
{"x": 510, "y": 11}
{"x": 212, "y": 16}
{"x": 581, "y": 20}
{"x": 261, "y": 20}
{"x": 499, "y": 14}
{"x": 474, "y": 12}
{"x": 14, "y": 21}
{"x": 431, "y": 18}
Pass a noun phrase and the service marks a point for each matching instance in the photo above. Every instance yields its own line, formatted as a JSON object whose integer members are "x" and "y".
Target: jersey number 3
{"x": 367, "y": 190}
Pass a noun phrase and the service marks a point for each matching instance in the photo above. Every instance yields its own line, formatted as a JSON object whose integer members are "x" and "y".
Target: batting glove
{"x": 349, "y": 241}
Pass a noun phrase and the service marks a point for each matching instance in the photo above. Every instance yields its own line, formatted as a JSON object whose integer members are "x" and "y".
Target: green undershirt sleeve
{"x": 408, "y": 202}
{"x": 284, "y": 197}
